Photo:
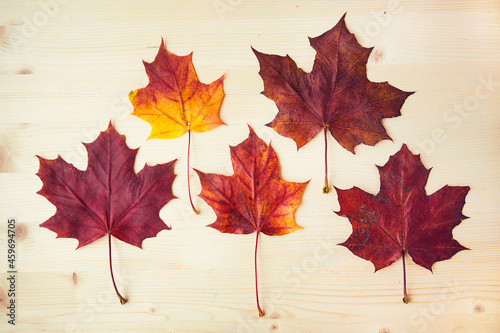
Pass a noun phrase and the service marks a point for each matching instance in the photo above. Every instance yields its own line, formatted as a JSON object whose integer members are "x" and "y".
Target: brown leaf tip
{"x": 326, "y": 189}
{"x": 123, "y": 300}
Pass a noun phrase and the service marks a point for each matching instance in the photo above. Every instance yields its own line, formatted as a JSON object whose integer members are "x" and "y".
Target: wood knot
{"x": 4, "y": 158}
{"x": 21, "y": 231}
{"x": 275, "y": 315}
{"x": 25, "y": 71}
{"x": 378, "y": 55}
{"x": 479, "y": 307}
{"x": 4, "y": 300}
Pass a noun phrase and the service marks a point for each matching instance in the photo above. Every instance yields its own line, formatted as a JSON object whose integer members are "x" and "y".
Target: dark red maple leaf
{"x": 108, "y": 198}
{"x": 402, "y": 218}
{"x": 255, "y": 198}
{"x": 335, "y": 96}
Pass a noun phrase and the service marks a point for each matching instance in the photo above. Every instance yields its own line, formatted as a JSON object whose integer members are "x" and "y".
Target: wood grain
{"x": 66, "y": 68}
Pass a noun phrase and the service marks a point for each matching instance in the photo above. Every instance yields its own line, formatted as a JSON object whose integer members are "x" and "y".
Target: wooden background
{"x": 66, "y": 69}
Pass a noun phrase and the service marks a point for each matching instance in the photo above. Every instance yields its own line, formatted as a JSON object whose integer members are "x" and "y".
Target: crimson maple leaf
{"x": 402, "y": 218}
{"x": 335, "y": 96}
{"x": 108, "y": 198}
{"x": 255, "y": 198}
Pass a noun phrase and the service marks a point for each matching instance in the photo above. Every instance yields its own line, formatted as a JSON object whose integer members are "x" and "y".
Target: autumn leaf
{"x": 335, "y": 96}
{"x": 175, "y": 101}
{"x": 402, "y": 218}
{"x": 108, "y": 198}
{"x": 254, "y": 198}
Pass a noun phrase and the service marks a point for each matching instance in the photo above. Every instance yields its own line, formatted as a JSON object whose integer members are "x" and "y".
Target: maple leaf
{"x": 402, "y": 218}
{"x": 175, "y": 101}
{"x": 108, "y": 198}
{"x": 254, "y": 198}
{"x": 335, "y": 96}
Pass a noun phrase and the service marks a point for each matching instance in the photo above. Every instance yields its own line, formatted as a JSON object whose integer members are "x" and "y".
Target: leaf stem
{"x": 122, "y": 299}
{"x": 189, "y": 183}
{"x": 261, "y": 312}
{"x": 326, "y": 188}
{"x": 405, "y": 298}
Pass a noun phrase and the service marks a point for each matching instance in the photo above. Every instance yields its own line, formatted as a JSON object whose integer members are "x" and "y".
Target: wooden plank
{"x": 66, "y": 68}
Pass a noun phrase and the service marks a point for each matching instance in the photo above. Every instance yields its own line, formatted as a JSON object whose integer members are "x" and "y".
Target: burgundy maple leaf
{"x": 402, "y": 218}
{"x": 108, "y": 198}
{"x": 335, "y": 96}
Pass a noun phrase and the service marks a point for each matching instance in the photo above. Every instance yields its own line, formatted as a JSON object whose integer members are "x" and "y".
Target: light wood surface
{"x": 66, "y": 69}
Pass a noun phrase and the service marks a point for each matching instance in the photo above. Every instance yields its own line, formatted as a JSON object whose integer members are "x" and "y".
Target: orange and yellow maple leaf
{"x": 175, "y": 101}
